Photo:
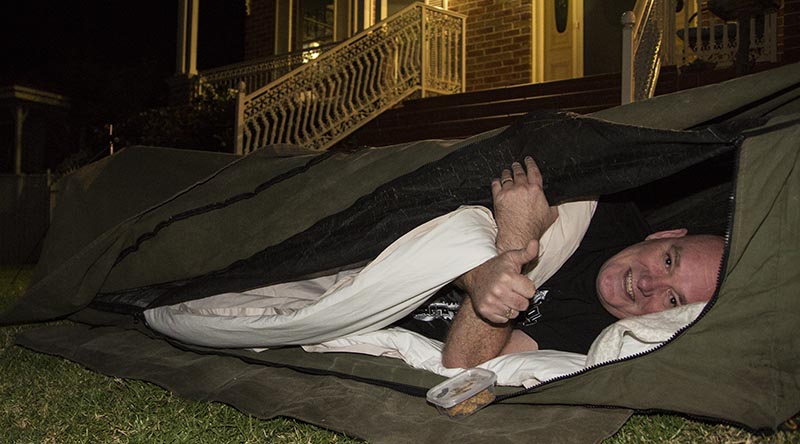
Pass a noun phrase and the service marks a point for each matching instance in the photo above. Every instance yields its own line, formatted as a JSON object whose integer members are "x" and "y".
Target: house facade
{"x": 508, "y": 42}
{"x": 315, "y": 71}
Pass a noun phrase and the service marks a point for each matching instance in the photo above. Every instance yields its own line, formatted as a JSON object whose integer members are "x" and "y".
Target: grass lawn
{"x": 44, "y": 399}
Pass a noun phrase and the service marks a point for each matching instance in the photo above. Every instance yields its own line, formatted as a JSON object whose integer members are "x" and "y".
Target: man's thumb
{"x": 527, "y": 254}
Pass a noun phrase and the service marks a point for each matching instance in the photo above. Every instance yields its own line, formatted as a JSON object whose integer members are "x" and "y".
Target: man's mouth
{"x": 629, "y": 285}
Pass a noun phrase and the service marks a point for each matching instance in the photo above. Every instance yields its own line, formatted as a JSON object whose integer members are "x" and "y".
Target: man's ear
{"x": 678, "y": 232}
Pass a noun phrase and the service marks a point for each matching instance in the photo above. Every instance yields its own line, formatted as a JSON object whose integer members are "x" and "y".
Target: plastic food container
{"x": 465, "y": 393}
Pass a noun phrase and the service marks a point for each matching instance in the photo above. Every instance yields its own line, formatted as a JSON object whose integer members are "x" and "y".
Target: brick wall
{"x": 498, "y": 42}
{"x": 791, "y": 31}
{"x": 259, "y": 28}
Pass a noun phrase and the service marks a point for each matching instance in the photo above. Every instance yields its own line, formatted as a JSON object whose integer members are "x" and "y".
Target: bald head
{"x": 667, "y": 269}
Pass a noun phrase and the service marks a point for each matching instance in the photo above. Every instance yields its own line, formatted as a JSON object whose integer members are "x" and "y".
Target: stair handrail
{"x": 420, "y": 48}
{"x": 643, "y": 47}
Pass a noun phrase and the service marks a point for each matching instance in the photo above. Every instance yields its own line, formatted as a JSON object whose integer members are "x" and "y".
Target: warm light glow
{"x": 310, "y": 54}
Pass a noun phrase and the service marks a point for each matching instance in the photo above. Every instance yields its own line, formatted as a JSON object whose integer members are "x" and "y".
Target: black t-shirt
{"x": 565, "y": 314}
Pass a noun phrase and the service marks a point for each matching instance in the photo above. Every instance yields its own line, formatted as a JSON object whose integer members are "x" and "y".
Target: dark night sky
{"x": 113, "y": 55}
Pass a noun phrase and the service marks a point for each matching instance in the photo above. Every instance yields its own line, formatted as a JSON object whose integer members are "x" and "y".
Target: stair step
{"x": 403, "y": 118}
{"x": 602, "y": 81}
{"x": 445, "y": 129}
{"x": 462, "y": 115}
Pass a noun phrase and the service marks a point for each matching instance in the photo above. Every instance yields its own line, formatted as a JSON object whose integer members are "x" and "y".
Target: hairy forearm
{"x": 520, "y": 206}
{"x": 471, "y": 340}
{"x": 507, "y": 241}
{"x": 509, "y": 238}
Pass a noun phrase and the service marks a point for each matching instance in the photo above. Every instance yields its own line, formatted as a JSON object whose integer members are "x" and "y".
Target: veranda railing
{"x": 709, "y": 32}
{"x": 257, "y": 73}
{"x": 659, "y": 32}
{"x": 421, "y": 48}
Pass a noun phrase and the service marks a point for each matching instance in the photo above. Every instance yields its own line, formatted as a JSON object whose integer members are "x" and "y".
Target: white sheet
{"x": 346, "y": 312}
{"x": 401, "y": 278}
{"x": 626, "y": 337}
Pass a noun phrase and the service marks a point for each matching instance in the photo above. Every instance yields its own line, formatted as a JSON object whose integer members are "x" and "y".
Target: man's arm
{"x": 521, "y": 209}
{"x": 473, "y": 338}
{"x": 497, "y": 289}
{"x": 522, "y": 214}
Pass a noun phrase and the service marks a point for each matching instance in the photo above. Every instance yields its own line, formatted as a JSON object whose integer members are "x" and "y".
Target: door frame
{"x": 537, "y": 37}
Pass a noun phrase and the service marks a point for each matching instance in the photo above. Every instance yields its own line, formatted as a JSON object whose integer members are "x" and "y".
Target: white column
{"x": 238, "y": 125}
{"x": 186, "y": 62}
{"x": 537, "y": 42}
{"x": 628, "y": 22}
{"x": 382, "y": 7}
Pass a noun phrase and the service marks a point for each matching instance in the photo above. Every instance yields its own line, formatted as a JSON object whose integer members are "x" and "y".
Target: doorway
{"x": 558, "y": 40}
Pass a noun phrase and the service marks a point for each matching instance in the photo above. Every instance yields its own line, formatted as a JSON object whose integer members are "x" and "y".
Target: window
{"x": 314, "y": 22}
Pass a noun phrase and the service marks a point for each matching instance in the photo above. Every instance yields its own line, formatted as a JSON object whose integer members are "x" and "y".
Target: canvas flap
{"x": 371, "y": 412}
{"x": 604, "y": 158}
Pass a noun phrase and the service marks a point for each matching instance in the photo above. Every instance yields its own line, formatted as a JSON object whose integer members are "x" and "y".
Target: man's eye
{"x": 668, "y": 261}
{"x": 673, "y": 301}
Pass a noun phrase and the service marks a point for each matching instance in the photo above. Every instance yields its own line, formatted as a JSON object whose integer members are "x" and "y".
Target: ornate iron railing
{"x": 257, "y": 73}
{"x": 708, "y": 37}
{"x": 655, "y": 34}
{"x": 421, "y": 48}
{"x": 645, "y": 31}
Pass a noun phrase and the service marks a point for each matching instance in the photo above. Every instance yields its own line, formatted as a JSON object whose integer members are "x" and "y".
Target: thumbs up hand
{"x": 498, "y": 290}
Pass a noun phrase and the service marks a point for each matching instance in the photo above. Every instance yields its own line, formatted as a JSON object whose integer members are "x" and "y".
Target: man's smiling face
{"x": 666, "y": 270}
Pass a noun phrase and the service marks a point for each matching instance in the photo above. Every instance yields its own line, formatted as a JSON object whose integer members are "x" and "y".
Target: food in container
{"x": 465, "y": 393}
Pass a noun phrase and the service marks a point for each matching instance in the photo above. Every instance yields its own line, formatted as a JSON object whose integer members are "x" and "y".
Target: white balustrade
{"x": 419, "y": 49}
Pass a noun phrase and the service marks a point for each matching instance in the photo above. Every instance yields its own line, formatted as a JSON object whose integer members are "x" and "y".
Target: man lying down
{"x": 612, "y": 275}
{"x": 467, "y": 267}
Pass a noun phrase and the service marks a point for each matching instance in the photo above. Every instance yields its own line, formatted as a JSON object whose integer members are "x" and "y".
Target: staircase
{"x": 461, "y": 115}
{"x": 418, "y": 50}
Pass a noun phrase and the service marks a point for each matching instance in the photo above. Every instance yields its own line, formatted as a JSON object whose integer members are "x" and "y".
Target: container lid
{"x": 461, "y": 387}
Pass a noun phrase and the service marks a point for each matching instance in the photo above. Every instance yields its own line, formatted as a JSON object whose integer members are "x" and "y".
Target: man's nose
{"x": 650, "y": 284}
